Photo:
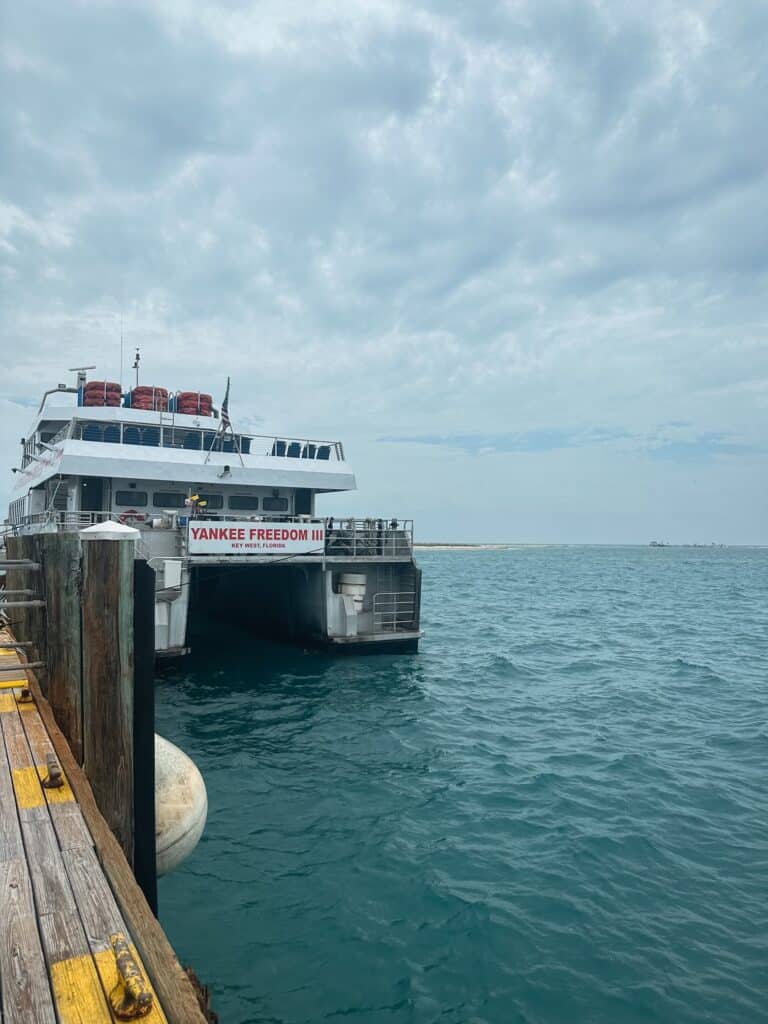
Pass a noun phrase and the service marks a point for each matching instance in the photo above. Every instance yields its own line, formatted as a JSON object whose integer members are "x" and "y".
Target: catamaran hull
{"x": 306, "y": 604}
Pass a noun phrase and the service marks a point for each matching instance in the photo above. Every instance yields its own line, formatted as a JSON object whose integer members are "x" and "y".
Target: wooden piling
{"x": 107, "y": 644}
{"x": 61, "y": 556}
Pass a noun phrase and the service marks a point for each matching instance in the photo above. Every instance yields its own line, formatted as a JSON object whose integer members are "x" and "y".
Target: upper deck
{"x": 71, "y": 440}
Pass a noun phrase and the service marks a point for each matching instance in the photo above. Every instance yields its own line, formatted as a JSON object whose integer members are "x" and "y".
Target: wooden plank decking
{"x": 57, "y": 908}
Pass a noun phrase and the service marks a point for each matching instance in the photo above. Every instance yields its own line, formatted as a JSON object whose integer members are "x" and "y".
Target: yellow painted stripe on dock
{"x": 7, "y": 702}
{"x": 77, "y": 992}
{"x": 107, "y": 968}
{"x": 63, "y": 794}
{"x": 29, "y": 792}
{"x": 14, "y": 684}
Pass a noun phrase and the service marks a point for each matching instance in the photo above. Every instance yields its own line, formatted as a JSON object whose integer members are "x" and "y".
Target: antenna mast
{"x": 136, "y": 362}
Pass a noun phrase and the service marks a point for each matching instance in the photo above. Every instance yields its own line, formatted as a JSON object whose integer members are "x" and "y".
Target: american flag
{"x": 225, "y": 421}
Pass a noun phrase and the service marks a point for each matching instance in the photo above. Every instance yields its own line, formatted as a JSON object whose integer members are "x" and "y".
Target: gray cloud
{"x": 439, "y": 220}
{"x": 673, "y": 441}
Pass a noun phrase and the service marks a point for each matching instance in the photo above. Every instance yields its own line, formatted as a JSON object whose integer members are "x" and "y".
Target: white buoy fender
{"x": 181, "y": 805}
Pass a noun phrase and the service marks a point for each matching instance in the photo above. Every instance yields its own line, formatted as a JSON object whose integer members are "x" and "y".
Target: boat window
{"x": 189, "y": 439}
{"x": 275, "y": 504}
{"x": 17, "y": 511}
{"x": 92, "y": 432}
{"x": 131, "y": 499}
{"x": 168, "y": 499}
{"x": 212, "y": 500}
{"x": 181, "y": 438}
{"x": 243, "y": 501}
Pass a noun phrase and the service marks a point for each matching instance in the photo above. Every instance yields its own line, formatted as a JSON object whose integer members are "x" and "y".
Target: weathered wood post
{"x": 108, "y": 653}
{"x": 118, "y": 696}
{"x": 60, "y": 556}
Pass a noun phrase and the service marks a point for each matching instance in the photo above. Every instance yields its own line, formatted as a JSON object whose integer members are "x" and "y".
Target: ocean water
{"x": 556, "y": 811}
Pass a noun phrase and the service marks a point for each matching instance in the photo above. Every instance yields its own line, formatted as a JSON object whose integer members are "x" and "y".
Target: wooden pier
{"x": 79, "y": 939}
{"x": 60, "y": 873}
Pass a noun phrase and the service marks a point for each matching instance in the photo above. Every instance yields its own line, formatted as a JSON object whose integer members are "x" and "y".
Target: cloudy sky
{"x": 514, "y": 254}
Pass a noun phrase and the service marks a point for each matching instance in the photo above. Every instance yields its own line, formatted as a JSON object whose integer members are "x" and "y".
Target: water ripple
{"x": 556, "y": 812}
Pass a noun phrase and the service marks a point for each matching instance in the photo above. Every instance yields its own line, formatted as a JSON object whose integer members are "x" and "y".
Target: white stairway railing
{"x": 394, "y": 611}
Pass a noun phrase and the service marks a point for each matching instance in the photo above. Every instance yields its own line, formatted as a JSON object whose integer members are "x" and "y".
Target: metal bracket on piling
{"x": 131, "y": 997}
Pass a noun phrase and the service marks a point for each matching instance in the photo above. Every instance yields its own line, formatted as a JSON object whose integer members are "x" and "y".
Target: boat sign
{"x": 235, "y": 537}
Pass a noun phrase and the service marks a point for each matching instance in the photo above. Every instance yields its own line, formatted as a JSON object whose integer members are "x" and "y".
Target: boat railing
{"x": 63, "y": 520}
{"x": 367, "y": 538}
{"x": 344, "y": 538}
{"x": 174, "y": 436}
{"x": 62, "y": 435}
{"x": 394, "y": 611}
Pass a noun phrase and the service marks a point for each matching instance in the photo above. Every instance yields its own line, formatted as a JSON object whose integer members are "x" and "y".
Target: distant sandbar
{"x": 463, "y": 547}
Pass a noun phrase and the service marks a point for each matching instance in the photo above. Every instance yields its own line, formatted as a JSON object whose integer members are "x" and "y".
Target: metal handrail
{"x": 62, "y": 435}
{"x": 394, "y": 611}
{"x": 64, "y": 518}
{"x": 173, "y": 435}
{"x": 352, "y": 538}
{"x": 371, "y": 537}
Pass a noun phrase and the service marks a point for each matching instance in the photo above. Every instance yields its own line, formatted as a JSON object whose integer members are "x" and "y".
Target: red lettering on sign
{"x": 260, "y": 537}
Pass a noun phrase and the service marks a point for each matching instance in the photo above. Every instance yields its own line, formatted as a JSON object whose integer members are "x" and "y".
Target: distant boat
{"x": 659, "y": 544}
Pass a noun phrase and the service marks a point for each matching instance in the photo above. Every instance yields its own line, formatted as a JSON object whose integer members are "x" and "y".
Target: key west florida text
{"x": 227, "y": 520}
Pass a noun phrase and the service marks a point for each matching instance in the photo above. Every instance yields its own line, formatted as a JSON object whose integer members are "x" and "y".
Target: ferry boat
{"x": 227, "y": 520}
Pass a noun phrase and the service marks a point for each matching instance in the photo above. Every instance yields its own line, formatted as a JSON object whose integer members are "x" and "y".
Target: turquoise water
{"x": 555, "y": 812}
